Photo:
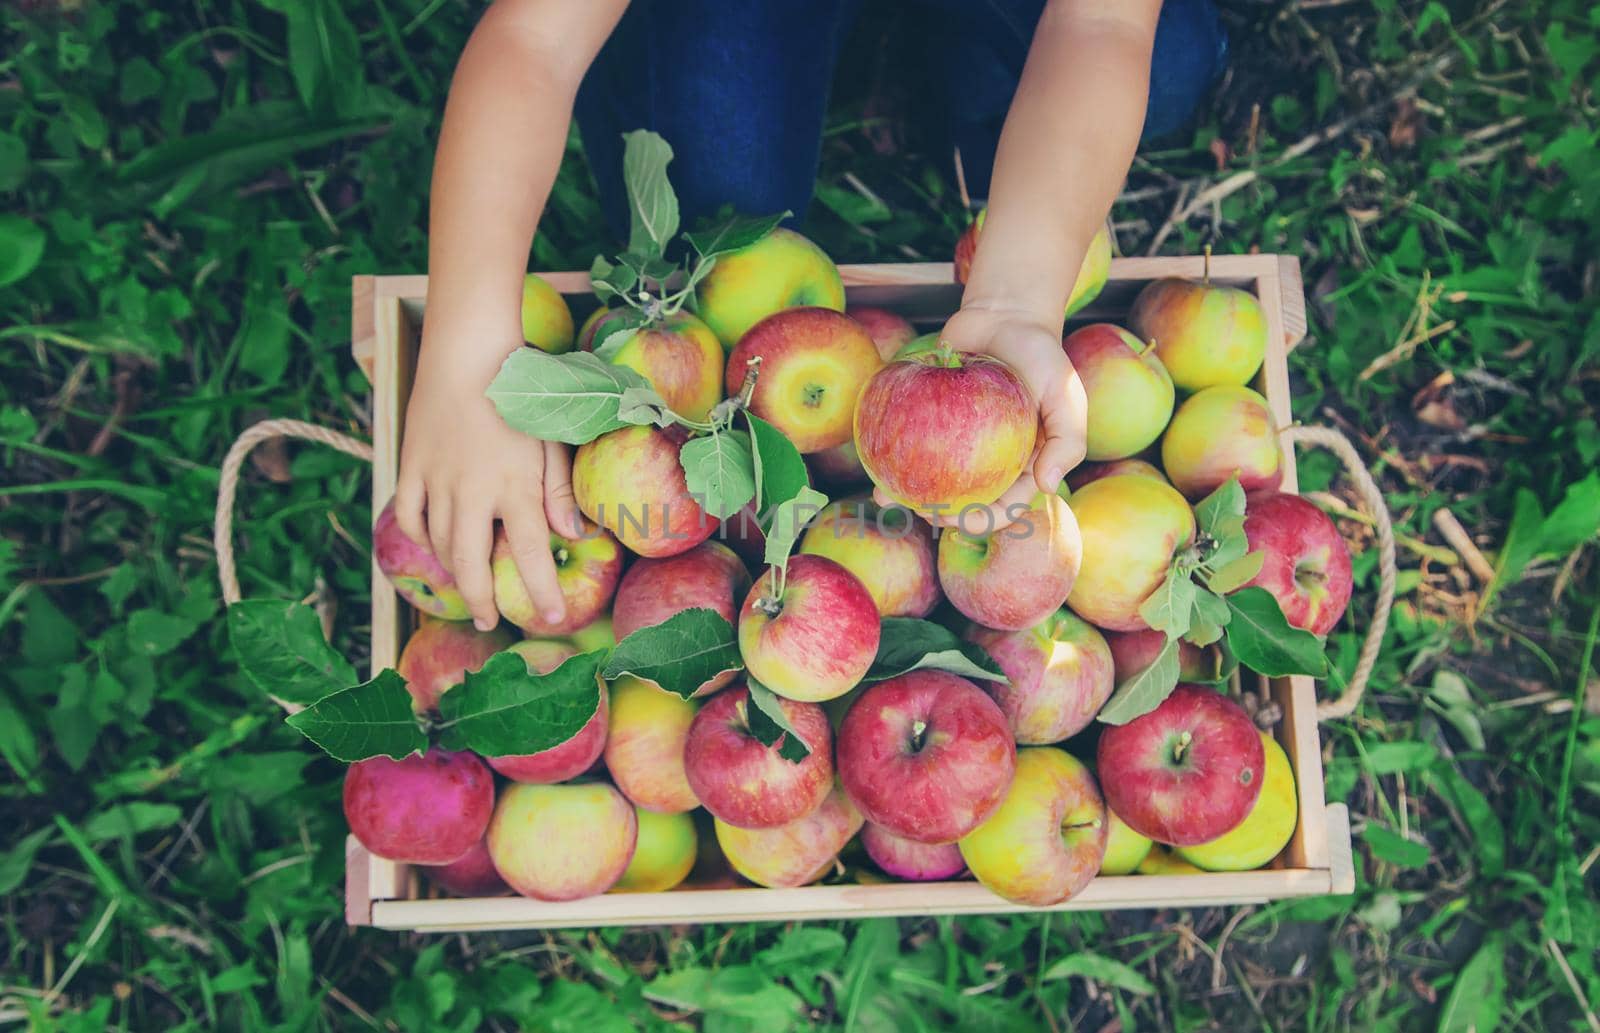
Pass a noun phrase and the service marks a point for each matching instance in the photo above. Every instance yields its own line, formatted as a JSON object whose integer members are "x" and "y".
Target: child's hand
{"x": 461, "y": 468}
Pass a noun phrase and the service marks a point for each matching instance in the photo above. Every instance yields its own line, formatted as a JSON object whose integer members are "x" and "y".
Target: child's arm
{"x": 504, "y": 131}
{"x": 1068, "y": 141}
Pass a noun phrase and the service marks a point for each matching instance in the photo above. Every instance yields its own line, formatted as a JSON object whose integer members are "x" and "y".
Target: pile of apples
{"x": 935, "y": 774}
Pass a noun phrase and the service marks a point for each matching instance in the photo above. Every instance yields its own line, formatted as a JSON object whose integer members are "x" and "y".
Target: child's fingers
{"x": 529, "y": 537}
{"x": 469, "y": 556}
{"x": 1066, "y": 430}
{"x": 437, "y": 522}
{"x": 560, "y": 506}
{"x": 409, "y": 497}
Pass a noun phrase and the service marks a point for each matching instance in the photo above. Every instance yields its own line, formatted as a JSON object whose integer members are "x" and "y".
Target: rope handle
{"x": 1321, "y": 437}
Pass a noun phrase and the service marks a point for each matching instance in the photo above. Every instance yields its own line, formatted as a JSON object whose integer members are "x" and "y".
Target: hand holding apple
{"x": 586, "y": 567}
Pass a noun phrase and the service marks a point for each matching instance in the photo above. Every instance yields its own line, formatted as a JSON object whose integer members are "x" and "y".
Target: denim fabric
{"x": 739, "y": 88}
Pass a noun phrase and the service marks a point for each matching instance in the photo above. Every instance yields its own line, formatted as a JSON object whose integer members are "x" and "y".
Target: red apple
{"x": 926, "y": 755}
{"x": 587, "y": 569}
{"x": 1088, "y": 472}
{"x": 795, "y": 854}
{"x": 1130, "y": 394}
{"x": 708, "y": 576}
{"x": 631, "y": 483}
{"x": 414, "y": 571}
{"x": 1186, "y": 772}
{"x": 815, "y": 641}
{"x": 813, "y": 363}
{"x": 889, "y": 549}
{"x": 1060, "y": 674}
{"x": 427, "y": 808}
{"x": 470, "y": 875}
{"x": 889, "y": 332}
{"x": 745, "y": 783}
{"x": 439, "y": 654}
{"x": 945, "y": 430}
{"x": 837, "y": 467}
{"x": 1017, "y": 576}
{"x": 742, "y": 533}
{"x": 1220, "y": 433}
{"x": 1305, "y": 564}
{"x": 680, "y": 357}
{"x": 907, "y": 859}
{"x": 567, "y": 759}
{"x": 1133, "y": 651}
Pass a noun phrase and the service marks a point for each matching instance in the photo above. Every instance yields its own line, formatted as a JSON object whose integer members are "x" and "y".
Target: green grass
{"x": 203, "y": 182}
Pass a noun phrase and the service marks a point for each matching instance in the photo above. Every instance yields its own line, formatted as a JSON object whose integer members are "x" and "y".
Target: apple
{"x": 644, "y": 745}
{"x": 1045, "y": 842}
{"x": 664, "y": 855}
{"x": 795, "y": 854}
{"x": 781, "y": 270}
{"x": 1015, "y": 577}
{"x": 889, "y": 331}
{"x": 679, "y": 356}
{"x": 567, "y": 759}
{"x": 1206, "y": 334}
{"x": 587, "y": 571}
{"x": 708, "y": 576}
{"x": 1060, "y": 673}
{"x": 426, "y": 808}
{"x": 1084, "y": 473}
{"x": 1130, "y": 394}
{"x": 601, "y": 324}
{"x": 927, "y": 755}
{"x": 813, "y": 362}
{"x": 1305, "y": 563}
{"x": 546, "y": 320}
{"x": 1133, "y": 651}
{"x": 745, "y": 783}
{"x": 1131, "y": 526}
{"x": 597, "y": 634}
{"x": 1092, "y": 274}
{"x": 837, "y": 467}
{"x": 817, "y": 639}
{"x": 1264, "y": 832}
{"x": 630, "y": 482}
{"x": 415, "y": 572}
{"x": 888, "y": 549}
{"x": 1219, "y": 433}
{"x": 945, "y": 430}
{"x": 742, "y": 533}
{"x": 1125, "y": 848}
{"x": 1162, "y": 861}
{"x": 1186, "y": 772}
{"x": 439, "y": 654}
{"x": 562, "y": 842}
{"x": 470, "y": 875}
{"x": 907, "y": 859}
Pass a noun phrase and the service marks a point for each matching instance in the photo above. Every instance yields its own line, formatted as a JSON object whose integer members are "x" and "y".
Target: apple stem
{"x": 561, "y": 556}
{"x": 752, "y": 369}
{"x": 769, "y": 605}
{"x": 1184, "y": 739}
{"x": 1205, "y": 268}
{"x": 947, "y": 356}
{"x": 919, "y": 729}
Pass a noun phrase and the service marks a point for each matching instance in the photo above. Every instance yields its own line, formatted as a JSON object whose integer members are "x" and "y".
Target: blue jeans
{"x": 739, "y": 88}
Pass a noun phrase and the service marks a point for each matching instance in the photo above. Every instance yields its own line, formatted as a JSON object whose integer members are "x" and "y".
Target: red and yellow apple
{"x": 1088, "y": 284}
{"x": 837, "y": 467}
{"x": 813, "y": 363}
{"x": 708, "y": 576}
{"x": 680, "y": 357}
{"x": 1018, "y": 576}
{"x": 426, "y": 808}
{"x": 567, "y": 759}
{"x": 781, "y": 270}
{"x": 1133, "y": 651}
{"x": 644, "y": 745}
{"x": 795, "y": 854}
{"x": 630, "y": 482}
{"x": 1219, "y": 433}
{"x": 414, "y": 571}
{"x": 1045, "y": 842}
{"x": 470, "y": 875}
{"x": 597, "y": 634}
{"x": 1085, "y": 473}
{"x": 439, "y": 654}
{"x": 907, "y": 859}
{"x": 600, "y": 324}
{"x": 1130, "y": 394}
{"x": 546, "y": 320}
{"x": 748, "y": 784}
{"x": 562, "y": 842}
{"x": 888, "y": 549}
{"x": 1125, "y": 848}
{"x": 742, "y": 533}
{"x": 1206, "y": 334}
{"x": 664, "y": 855}
{"x": 587, "y": 571}
{"x": 1305, "y": 563}
{"x": 1060, "y": 675}
{"x": 1162, "y": 861}
{"x": 889, "y": 331}
{"x": 1132, "y": 526}
{"x": 927, "y": 755}
{"x": 945, "y": 430}
{"x": 815, "y": 641}
{"x": 1264, "y": 832}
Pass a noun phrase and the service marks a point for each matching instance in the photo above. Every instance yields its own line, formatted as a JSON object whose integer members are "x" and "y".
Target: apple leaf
{"x": 1236, "y": 573}
{"x": 789, "y": 520}
{"x": 1207, "y": 618}
{"x": 648, "y": 266}
{"x": 571, "y": 398}
{"x": 907, "y": 644}
{"x": 1214, "y": 512}
{"x": 619, "y": 331}
{"x": 373, "y": 719}
{"x": 1477, "y": 1000}
{"x": 769, "y": 725}
{"x": 1170, "y": 607}
{"x": 1266, "y": 643}
{"x": 680, "y": 654}
{"x": 283, "y": 652}
{"x": 719, "y": 470}
{"x": 780, "y": 469}
{"x": 506, "y": 709}
{"x": 1145, "y": 691}
{"x": 719, "y": 236}
{"x": 653, "y": 205}
{"x": 610, "y": 281}
{"x": 641, "y": 405}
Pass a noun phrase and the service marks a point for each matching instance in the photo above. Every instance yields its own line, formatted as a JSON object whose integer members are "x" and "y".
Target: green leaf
{"x": 372, "y": 719}
{"x": 680, "y": 654}
{"x": 1450, "y": 698}
{"x": 1477, "y": 1000}
{"x": 1389, "y": 758}
{"x": 1145, "y": 691}
{"x": 788, "y": 522}
{"x": 130, "y": 819}
{"x": 1521, "y": 544}
{"x": 1488, "y": 832}
{"x": 282, "y": 650}
{"x": 18, "y": 861}
{"x": 1214, "y": 513}
{"x": 780, "y": 469}
{"x": 1266, "y": 643}
{"x": 1237, "y": 573}
{"x": 572, "y": 398}
{"x": 610, "y": 281}
{"x": 1391, "y": 846}
{"x": 13, "y": 161}
{"x": 770, "y": 726}
{"x": 21, "y": 248}
{"x": 1087, "y": 965}
{"x": 1171, "y": 606}
{"x": 719, "y": 236}
{"x": 505, "y": 709}
{"x": 641, "y": 406}
{"x": 153, "y": 633}
{"x": 1207, "y": 617}
{"x": 720, "y": 471}
{"x": 1575, "y": 520}
{"x": 654, "y": 206}
{"x": 907, "y": 644}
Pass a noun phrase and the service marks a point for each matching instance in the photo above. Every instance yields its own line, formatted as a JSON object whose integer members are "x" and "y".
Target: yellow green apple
{"x": 1132, "y": 526}
{"x": 812, "y": 363}
{"x": 597, "y": 634}
{"x": 1162, "y": 861}
{"x": 1219, "y": 433}
{"x": 1265, "y": 831}
{"x": 815, "y": 640}
{"x": 781, "y": 270}
{"x": 795, "y": 854}
{"x": 587, "y": 571}
{"x": 562, "y": 842}
{"x": 1130, "y": 394}
{"x": 664, "y": 856}
{"x": 680, "y": 357}
{"x": 1206, "y": 334}
{"x": 546, "y": 320}
{"x": 1125, "y": 848}
{"x": 889, "y": 549}
{"x": 644, "y": 745}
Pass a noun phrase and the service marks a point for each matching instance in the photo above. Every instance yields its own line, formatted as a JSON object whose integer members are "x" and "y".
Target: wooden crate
{"x": 387, "y": 319}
